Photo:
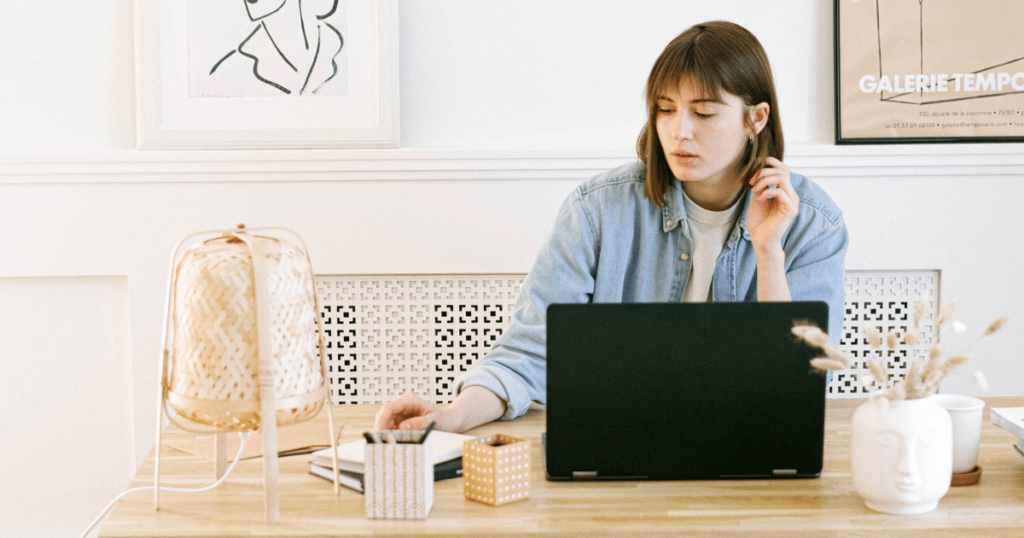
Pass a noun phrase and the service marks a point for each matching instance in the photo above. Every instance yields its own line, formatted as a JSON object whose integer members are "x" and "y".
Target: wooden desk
{"x": 783, "y": 508}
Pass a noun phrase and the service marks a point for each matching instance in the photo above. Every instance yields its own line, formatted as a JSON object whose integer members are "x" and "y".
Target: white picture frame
{"x": 174, "y": 111}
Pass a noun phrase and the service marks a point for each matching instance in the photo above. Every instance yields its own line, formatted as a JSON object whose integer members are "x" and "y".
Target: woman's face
{"x": 702, "y": 136}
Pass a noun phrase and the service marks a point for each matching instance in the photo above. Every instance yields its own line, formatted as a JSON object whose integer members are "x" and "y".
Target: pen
{"x": 427, "y": 430}
{"x": 369, "y": 438}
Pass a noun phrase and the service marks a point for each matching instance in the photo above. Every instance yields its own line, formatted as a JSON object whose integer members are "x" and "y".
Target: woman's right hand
{"x": 472, "y": 407}
{"x": 411, "y": 412}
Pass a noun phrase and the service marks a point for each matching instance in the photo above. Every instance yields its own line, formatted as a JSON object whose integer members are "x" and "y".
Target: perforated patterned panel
{"x": 387, "y": 335}
{"x": 391, "y": 334}
{"x": 885, "y": 300}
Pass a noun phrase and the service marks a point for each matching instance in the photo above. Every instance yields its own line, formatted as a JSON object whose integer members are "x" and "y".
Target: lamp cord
{"x": 241, "y": 449}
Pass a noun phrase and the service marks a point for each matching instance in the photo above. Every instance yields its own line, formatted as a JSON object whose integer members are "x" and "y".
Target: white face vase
{"x": 901, "y": 455}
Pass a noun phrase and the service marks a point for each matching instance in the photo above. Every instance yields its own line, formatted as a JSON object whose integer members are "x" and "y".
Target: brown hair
{"x": 717, "y": 56}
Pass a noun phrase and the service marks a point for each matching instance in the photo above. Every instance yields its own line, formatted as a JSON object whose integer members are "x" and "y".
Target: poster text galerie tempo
{"x": 967, "y": 82}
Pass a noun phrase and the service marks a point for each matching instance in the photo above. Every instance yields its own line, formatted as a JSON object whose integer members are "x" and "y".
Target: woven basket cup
{"x": 214, "y": 373}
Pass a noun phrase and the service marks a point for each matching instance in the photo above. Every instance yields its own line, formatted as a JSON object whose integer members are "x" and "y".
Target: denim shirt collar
{"x": 673, "y": 213}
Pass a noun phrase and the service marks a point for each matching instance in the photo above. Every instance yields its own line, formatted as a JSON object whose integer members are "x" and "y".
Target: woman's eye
{"x": 664, "y": 111}
{"x": 703, "y": 114}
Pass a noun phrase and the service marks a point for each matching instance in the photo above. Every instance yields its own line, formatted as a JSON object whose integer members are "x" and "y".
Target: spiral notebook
{"x": 682, "y": 391}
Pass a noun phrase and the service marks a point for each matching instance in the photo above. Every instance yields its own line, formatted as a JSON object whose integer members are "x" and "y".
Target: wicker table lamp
{"x": 243, "y": 317}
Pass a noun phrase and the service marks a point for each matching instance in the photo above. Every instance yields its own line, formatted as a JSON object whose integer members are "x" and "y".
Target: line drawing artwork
{"x": 900, "y": 30}
{"x": 267, "y": 48}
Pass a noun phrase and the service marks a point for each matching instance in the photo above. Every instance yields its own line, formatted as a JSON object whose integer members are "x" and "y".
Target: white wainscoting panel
{"x": 484, "y": 163}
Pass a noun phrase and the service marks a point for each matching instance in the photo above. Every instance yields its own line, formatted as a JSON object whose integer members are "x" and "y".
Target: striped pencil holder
{"x": 398, "y": 478}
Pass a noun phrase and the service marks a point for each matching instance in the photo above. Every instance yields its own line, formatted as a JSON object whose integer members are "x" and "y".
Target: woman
{"x": 710, "y": 213}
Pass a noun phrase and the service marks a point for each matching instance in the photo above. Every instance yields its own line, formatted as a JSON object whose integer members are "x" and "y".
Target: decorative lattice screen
{"x": 886, "y": 300}
{"x": 387, "y": 335}
{"x": 391, "y": 334}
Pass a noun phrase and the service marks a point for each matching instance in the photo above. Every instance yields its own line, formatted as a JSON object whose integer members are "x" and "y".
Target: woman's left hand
{"x": 773, "y": 206}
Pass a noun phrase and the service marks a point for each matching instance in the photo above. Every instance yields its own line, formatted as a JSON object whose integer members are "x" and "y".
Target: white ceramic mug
{"x": 965, "y": 412}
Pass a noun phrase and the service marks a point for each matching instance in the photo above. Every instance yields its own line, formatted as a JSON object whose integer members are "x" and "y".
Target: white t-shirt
{"x": 708, "y": 230}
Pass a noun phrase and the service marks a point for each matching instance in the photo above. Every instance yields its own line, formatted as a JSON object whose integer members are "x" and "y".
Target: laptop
{"x": 682, "y": 391}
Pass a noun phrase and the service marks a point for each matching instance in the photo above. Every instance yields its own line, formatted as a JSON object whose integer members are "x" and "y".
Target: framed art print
{"x": 265, "y": 74}
{"x": 929, "y": 71}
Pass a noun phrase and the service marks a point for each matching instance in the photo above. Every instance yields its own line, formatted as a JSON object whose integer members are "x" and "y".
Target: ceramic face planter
{"x": 901, "y": 455}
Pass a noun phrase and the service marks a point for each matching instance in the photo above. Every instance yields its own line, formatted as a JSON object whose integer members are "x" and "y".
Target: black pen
{"x": 369, "y": 437}
{"x": 427, "y": 430}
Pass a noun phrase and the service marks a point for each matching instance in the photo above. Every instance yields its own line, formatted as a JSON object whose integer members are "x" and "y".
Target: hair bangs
{"x": 685, "y": 65}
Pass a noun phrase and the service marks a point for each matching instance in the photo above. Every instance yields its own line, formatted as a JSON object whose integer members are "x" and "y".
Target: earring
{"x": 751, "y": 139}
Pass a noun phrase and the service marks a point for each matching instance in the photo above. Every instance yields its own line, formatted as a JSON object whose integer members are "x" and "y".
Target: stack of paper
{"x": 1011, "y": 419}
{"x": 446, "y": 450}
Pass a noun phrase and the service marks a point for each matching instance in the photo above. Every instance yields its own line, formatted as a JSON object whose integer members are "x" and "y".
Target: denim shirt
{"x": 610, "y": 244}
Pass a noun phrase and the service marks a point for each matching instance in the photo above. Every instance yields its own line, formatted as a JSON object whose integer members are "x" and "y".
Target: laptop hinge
{"x": 783, "y": 472}
{"x": 584, "y": 475}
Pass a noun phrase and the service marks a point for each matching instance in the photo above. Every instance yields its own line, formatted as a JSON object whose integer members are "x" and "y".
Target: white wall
{"x": 504, "y": 107}
{"x": 52, "y": 454}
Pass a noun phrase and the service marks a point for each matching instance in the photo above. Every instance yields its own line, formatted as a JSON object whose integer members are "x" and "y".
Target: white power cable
{"x": 241, "y": 449}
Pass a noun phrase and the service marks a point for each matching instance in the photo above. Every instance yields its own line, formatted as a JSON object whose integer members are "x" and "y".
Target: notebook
{"x": 353, "y": 480}
{"x": 351, "y": 455}
{"x": 446, "y": 452}
{"x": 682, "y": 391}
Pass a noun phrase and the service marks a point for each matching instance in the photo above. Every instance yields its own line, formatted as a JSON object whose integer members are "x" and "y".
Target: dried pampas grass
{"x": 897, "y": 392}
{"x": 921, "y": 379}
{"x": 934, "y": 377}
{"x": 878, "y": 372}
{"x": 919, "y": 313}
{"x": 835, "y": 358}
{"x": 980, "y": 381}
{"x": 837, "y": 354}
{"x": 956, "y": 361}
{"x": 873, "y": 336}
{"x": 822, "y": 364}
{"x": 911, "y": 382}
{"x": 995, "y": 326}
{"x": 881, "y": 402}
{"x": 810, "y": 334}
{"x": 934, "y": 358}
{"x": 945, "y": 312}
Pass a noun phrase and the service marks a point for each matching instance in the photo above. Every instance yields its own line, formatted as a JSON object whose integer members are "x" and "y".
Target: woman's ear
{"x": 759, "y": 117}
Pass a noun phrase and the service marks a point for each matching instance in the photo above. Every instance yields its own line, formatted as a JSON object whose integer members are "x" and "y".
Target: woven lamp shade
{"x": 214, "y": 365}
{"x": 246, "y": 345}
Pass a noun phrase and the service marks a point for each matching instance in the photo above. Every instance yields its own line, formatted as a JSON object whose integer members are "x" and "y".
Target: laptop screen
{"x": 683, "y": 390}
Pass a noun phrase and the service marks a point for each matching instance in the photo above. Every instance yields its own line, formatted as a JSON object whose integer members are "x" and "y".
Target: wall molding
{"x": 448, "y": 164}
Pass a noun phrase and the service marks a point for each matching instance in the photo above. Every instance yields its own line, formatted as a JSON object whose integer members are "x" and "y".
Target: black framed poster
{"x": 917, "y": 71}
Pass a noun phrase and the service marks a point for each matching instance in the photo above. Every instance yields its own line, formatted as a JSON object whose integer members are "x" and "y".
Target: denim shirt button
{"x": 684, "y": 257}
{"x": 668, "y": 223}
